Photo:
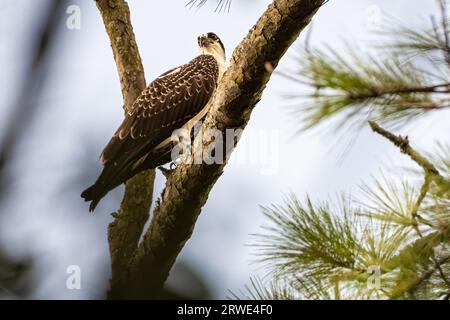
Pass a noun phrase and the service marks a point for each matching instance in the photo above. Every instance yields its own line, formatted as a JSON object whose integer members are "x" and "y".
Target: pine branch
{"x": 424, "y": 42}
{"x": 222, "y": 5}
{"x": 308, "y": 244}
{"x": 393, "y": 88}
{"x": 320, "y": 253}
{"x": 188, "y": 187}
{"x": 441, "y": 192}
{"x": 445, "y": 30}
{"x": 441, "y": 88}
{"x": 431, "y": 173}
{"x": 390, "y": 89}
{"x": 125, "y": 231}
{"x": 405, "y": 147}
{"x": 413, "y": 286}
{"x": 389, "y": 203}
{"x": 258, "y": 290}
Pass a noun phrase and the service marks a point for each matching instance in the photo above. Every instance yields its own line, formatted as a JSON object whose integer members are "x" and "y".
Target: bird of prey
{"x": 176, "y": 99}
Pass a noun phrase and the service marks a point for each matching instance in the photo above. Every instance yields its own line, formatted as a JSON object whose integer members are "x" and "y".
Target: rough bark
{"x": 126, "y": 229}
{"x": 188, "y": 186}
{"x": 116, "y": 17}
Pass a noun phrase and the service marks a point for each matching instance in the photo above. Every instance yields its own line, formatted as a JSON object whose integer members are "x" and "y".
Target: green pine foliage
{"x": 258, "y": 290}
{"x": 392, "y": 242}
{"x": 407, "y": 77}
{"x": 221, "y": 5}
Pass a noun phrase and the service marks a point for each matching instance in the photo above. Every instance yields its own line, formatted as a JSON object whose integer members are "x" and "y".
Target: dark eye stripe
{"x": 212, "y": 36}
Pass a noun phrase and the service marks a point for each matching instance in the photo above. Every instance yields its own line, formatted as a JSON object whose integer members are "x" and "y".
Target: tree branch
{"x": 430, "y": 171}
{"x": 440, "y": 88}
{"x": 405, "y": 147}
{"x": 443, "y": 7}
{"x": 125, "y": 231}
{"x": 410, "y": 103}
{"x": 188, "y": 187}
{"x": 116, "y": 17}
{"x": 431, "y": 174}
{"x": 426, "y": 105}
{"x": 425, "y": 276}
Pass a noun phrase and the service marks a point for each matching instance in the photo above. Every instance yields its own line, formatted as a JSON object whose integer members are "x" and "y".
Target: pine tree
{"x": 394, "y": 242}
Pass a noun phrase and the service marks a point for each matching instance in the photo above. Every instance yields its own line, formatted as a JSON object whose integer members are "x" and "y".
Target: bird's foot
{"x": 172, "y": 165}
{"x": 166, "y": 172}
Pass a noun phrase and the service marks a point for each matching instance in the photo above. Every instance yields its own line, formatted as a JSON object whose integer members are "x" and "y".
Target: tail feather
{"x": 114, "y": 175}
{"x": 93, "y": 194}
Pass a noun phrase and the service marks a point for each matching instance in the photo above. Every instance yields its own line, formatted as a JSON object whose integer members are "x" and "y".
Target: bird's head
{"x": 210, "y": 43}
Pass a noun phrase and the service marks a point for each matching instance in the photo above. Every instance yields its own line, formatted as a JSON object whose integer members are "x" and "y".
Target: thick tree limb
{"x": 188, "y": 187}
{"x": 125, "y": 231}
{"x": 116, "y": 17}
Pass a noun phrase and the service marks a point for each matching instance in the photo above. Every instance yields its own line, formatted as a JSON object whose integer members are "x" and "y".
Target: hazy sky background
{"x": 82, "y": 108}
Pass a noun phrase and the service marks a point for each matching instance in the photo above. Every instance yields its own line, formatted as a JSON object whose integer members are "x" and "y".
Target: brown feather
{"x": 164, "y": 106}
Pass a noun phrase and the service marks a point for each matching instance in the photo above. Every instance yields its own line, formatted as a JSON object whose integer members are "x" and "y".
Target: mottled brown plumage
{"x": 167, "y": 104}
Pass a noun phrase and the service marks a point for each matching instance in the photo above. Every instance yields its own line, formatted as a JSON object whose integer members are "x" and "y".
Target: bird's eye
{"x": 212, "y": 36}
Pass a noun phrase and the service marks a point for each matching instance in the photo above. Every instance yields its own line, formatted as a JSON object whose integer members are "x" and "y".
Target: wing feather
{"x": 165, "y": 105}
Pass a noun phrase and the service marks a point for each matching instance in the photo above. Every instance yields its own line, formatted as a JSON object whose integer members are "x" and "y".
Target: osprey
{"x": 176, "y": 99}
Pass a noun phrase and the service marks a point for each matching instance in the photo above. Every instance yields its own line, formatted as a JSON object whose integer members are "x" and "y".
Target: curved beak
{"x": 203, "y": 40}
